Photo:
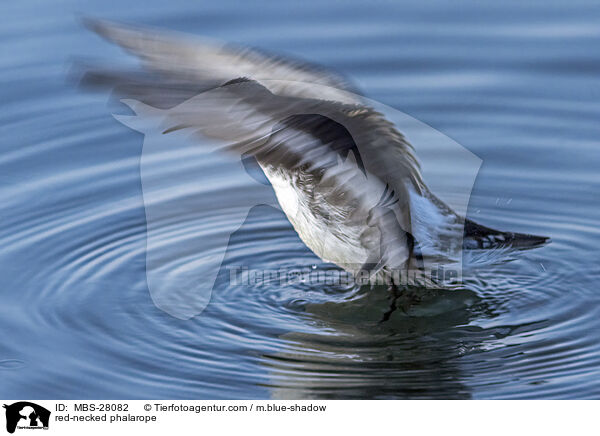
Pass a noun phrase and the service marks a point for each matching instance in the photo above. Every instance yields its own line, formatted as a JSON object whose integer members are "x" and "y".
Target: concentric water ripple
{"x": 520, "y": 93}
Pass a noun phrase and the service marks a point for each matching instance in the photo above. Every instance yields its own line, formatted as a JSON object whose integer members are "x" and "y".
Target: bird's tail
{"x": 477, "y": 236}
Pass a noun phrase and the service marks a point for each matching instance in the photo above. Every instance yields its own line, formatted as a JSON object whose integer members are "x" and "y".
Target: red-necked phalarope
{"x": 347, "y": 180}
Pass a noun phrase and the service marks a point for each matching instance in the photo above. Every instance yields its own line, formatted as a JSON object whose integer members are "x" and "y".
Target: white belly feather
{"x": 346, "y": 252}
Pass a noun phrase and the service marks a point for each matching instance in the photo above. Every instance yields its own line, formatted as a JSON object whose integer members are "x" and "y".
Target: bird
{"x": 346, "y": 178}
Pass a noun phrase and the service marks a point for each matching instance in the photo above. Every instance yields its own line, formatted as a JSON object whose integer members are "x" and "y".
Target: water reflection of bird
{"x": 414, "y": 355}
{"x": 347, "y": 180}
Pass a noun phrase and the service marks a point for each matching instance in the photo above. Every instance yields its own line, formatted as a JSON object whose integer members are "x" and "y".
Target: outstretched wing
{"x": 182, "y": 59}
{"x": 246, "y": 109}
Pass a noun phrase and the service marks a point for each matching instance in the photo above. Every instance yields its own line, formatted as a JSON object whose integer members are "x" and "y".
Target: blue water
{"x": 516, "y": 83}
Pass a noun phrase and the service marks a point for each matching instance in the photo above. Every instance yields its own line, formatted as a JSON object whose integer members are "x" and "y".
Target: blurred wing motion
{"x": 346, "y": 178}
{"x": 185, "y": 66}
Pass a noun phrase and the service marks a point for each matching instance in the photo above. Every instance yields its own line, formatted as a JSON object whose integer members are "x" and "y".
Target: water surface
{"x": 517, "y": 85}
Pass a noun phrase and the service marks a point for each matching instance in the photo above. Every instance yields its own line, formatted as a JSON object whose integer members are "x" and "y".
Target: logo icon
{"x": 26, "y": 415}
{"x": 183, "y": 289}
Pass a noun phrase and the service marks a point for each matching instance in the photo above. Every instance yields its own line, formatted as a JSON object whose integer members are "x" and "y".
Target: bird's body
{"x": 347, "y": 180}
{"x": 323, "y": 224}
